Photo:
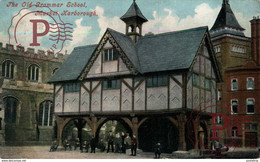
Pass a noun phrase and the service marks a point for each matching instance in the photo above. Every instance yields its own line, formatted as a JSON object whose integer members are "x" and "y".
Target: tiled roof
{"x": 133, "y": 11}
{"x": 74, "y": 64}
{"x": 226, "y": 18}
{"x": 153, "y": 53}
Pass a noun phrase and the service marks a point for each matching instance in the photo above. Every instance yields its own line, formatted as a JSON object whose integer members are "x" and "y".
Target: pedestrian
{"x": 127, "y": 141}
{"x": 118, "y": 142}
{"x": 93, "y": 144}
{"x": 67, "y": 144}
{"x": 110, "y": 142}
{"x": 123, "y": 150}
{"x": 76, "y": 143}
{"x": 133, "y": 146}
{"x": 54, "y": 146}
{"x": 157, "y": 151}
{"x": 217, "y": 146}
{"x": 85, "y": 146}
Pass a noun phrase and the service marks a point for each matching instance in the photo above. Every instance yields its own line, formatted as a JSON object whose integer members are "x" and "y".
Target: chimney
{"x": 255, "y": 39}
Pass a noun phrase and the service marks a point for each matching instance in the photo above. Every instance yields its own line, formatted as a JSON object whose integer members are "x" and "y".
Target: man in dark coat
{"x": 93, "y": 144}
{"x": 110, "y": 142}
{"x": 54, "y": 146}
{"x": 157, "y": 151}
{"x": 77, "y": 143}
{"x": 123, "y": 149}
{"x": 67, "y": 144}
{"x": 133, "y": 146}
{"x": 85, "y": 146}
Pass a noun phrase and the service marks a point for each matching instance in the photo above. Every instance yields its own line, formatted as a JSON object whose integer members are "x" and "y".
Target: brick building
{"x": 242, "y": 93}
{"x": 26, "y": 111}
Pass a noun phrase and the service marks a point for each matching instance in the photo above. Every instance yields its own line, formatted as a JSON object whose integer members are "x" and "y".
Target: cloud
{"x": 105, "y": 22}
{"x": 204, "y": 16}
{"x": 23, "y": 31}
{"x": 80, "y": 32}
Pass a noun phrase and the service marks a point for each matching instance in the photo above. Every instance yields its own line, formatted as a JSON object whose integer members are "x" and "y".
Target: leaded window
{"x": 71, "y": 87}
{"x": 196, "y": 80}
{"x": 8, "y": 69}
{"x": 11, "y": 105}
{"x": 110, "y": 55}
{"x": 46, "y": 113}
{"x": 157, "y": 81}
{"x": 111, "y": 84}
{"x": 33, "y": 73}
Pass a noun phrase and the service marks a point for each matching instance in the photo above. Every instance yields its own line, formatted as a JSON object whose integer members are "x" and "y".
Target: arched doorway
{"x": 74, "y": 129}
{"x": 156, "y": 130}
{"x": 115, "y": 125}
{"x": 11, "y": 107}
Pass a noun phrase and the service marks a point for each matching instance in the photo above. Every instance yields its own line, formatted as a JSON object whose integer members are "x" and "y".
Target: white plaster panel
{"x": 57, "y": 87}
{"x": 196, "y": 99}
{"x": 205, "y": 51}
{"x": 96, "y": 99}
{"x": 122, "y": 66}
{"x": 59, "y": 101}
{"x": 71, "y": 102}
{"x": 108, "y": 45}
{"x": 189, "y": 93}
{"x": 129, "y": 81}
{"x": 140, "y": 97}
{"x": 175, "y": 95}
{"x": 208, "y": 101}
{"x": 110, "y": 66}
{"x": 196, "y": 66}
{"x": 96, "y": 67}
{"x": 202, "y": 64}
{"x": 84, "y": 105}
{"x": 87, "y": 84}
{"x": 178, "y": 77}
{"x": 208, "y": 67}
{"x": 111, "y": 99}
{"x": 202, "y": 81}
{"x": 126, "y": 102}
{"x": 94, "y": 84}
{"x": 213, "y": 73}
{"x": 157, "y": 98}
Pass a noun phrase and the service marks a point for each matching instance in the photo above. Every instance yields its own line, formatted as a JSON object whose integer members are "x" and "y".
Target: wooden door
{"x": 250, "y": 139}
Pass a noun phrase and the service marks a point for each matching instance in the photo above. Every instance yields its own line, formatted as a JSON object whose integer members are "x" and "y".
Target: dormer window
{"x": 110, "y": 55}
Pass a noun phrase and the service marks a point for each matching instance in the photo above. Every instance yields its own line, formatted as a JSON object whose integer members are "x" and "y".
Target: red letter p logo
{"x": 35, "y": 34}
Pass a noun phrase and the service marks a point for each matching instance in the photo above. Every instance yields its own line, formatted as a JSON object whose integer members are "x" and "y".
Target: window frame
{"x": 193, "y": 80}
{"x": 8, "y": 69}
{"x": 33, "y": 71}
{"x": 250, "y": 88}
{"x": 111, "y": 84}
{"x": 50, "y": 113}
{"x": 157, "y": 81}
{"x": 232, "y": 112}
{"x": 232, "y": 87}
{"x": 234, "y": 132}
{"x": 72, "y": 87}
{"x": 209, "y": 81}
{"x": 110, "y": 56}
{"x": 248, "y": 104}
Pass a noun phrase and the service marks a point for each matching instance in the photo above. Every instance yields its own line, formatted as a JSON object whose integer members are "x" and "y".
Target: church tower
{"x": 134, "y": 19}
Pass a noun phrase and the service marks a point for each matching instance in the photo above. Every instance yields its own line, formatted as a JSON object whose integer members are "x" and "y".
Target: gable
{"x": 205, "y": 60}
{"x": 96, "y": 64}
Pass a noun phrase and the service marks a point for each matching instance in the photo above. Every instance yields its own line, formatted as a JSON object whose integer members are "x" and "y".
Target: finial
{"x": 225, "y": 1}
{"x": 134, "y": 0}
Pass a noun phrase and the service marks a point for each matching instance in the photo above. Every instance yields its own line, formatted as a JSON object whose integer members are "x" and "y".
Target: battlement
{"x": 30, "y": 53}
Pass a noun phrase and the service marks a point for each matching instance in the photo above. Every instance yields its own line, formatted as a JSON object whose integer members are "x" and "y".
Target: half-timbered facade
{"x": 134, "y": 78}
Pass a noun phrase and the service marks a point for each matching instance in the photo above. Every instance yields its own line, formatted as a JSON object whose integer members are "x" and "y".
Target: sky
{"x": 162, "y": 15}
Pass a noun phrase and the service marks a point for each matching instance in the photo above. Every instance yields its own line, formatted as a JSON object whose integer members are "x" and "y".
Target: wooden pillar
{"x": 209, "y": 124}
{"x": 197, "y": 127}
{"x": 181, "y": 126}
{"x": 59, "y": 131}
